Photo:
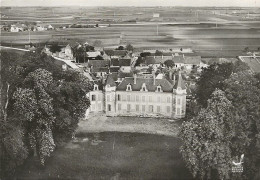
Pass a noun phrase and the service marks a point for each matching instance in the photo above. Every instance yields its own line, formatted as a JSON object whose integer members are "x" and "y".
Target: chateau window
{"x": 129, "y": 87}
{"x": 158, "y": 99}
{"x": 99, "y": 106}
{"x": 128, "y": 107}
{"x": 123, "y": 97}
{"x": 137, "y": 98}
{"x": 143, "y": 87}
{"x": 159, "y": 89}
{"x": 118, "y": 97}
{"x": 99, "y": 97}
{"x": 119, "y": 107}
{"x": 158, "y": 109}
{"x": 109, "y": 107}
{"x": 150, "y": 108}
{"x": 178, "y": 111}
{"x": 143, "y": 98}
{"x": 95, "y": 87}
{"x": 168, "y": 109}
{"x": 150, "y": 99}
{"x": 128, "y": 97}
{"x": 137, "y": 107}
{"x": 168, "y": 99}
{"x": 133, "y": 98}
{"x": 93, "y": 97}
{"x": 108, "y": 98}
{"x": 143, "y": 108}
{"x": 178, "y": 101}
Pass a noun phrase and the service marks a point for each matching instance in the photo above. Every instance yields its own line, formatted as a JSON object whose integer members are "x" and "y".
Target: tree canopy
{"x": 233, "y": 117}
{"x": 42, "y": 107}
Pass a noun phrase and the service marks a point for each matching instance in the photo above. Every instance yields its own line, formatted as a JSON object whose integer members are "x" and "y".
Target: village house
{"x": 17, "y": 28}
{"x": 139, "y": 96}
{"x": 99, "y": 67}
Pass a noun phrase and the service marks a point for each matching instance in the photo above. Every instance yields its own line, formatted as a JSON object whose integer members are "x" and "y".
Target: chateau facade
{"x": 139, "y": 96}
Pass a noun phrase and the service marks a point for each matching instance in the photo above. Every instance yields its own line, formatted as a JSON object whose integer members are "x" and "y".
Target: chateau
{"x": 140, "y": 96}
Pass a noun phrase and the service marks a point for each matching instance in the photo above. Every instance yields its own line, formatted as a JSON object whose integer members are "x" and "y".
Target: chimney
{"x": 170, "y": 75}
{"x": 174, "y": 79}
{"x": 183, "y": 55}
{"x": 135, "y": 76}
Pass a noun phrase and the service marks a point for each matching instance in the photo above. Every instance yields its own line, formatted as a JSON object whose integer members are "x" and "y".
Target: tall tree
{"x": 243, "y": 91}
{"x": 207, "y": 139}
{"x": 35, "y": 105}
{"x": 129, "y": 47}
{"x": 213, "y": 77}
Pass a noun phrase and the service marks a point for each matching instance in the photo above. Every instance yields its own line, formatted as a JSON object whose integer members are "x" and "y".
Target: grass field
{"x": 117, "y": 156}
{"x": 202, "y": 29}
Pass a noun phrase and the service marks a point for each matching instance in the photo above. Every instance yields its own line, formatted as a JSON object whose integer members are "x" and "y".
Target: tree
{"x": 139, "y": 61}
{"x": 158, "y": 53}
{"x": 150, "y": 69}
{"x": 207, "y": 139}
{"x": 42, "y": 107}
{"x": 99, "y": 57}
{"x": 129, "y": 47}
{"x": 169, "y": 63}
{"x": 55, "y": 48}
{"x": 246, "y": 49}
{"x": 34, "y": 104}
{"x": 243, "y": 91}
{"x": 144, "y": 54}
{"x": 120, "y": 48}
{"x": 12, "y": 148}
{"x": 242, "y": 121}
{"x": 213, "y": 77}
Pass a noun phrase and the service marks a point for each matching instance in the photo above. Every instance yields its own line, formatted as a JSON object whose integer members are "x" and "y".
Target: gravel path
{"x": 101, "y": 123}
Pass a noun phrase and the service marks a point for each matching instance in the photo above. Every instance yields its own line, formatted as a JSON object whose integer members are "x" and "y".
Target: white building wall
{"x": 96, "y": 102}
{"x": 138, "y": 103}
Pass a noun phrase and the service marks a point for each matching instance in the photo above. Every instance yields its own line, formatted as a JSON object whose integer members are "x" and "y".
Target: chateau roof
{"x": 110, "y": 81}
{"x": 149, "y": 82}
{"x": 180, "y": 83}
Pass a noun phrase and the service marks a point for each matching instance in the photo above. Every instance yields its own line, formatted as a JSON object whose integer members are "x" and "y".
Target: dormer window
{"x": 129, "y": 87}
{"x": 144, "y": 87}
{"x": 159, "y": 89}
{"x": 95, "y": 87}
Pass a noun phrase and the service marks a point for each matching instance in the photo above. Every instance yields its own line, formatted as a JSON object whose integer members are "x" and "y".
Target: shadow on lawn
{"x": 115, "y": 156}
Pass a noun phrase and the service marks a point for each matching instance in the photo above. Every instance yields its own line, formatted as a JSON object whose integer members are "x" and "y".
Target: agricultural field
{"x": 202, "y": 29}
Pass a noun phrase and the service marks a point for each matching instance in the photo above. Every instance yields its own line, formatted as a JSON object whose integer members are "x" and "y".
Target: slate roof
{"x": 180, "y": 82}
{"x": 120, "y": 53}
{"x": 156, "y": 59}
{"x": 124, "y": 62}
{"x": 114, "y": 69}
{"x": 149, "y": 82}
{"x": 124, "y": 75}
{"x": 98, "y": 65}
{"x": 114, "y": 62}
{"x": 110, "y": 81}
{"x": 178, "y": 59}
{"x": 195, "y": 60}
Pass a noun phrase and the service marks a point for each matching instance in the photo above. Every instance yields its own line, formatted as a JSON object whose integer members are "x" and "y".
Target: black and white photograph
{"x": 130, "y": 90}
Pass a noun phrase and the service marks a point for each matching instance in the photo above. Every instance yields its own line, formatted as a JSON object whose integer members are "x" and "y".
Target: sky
{"x": 222, "y": 3}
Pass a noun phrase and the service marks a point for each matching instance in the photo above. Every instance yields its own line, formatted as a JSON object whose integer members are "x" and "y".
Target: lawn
{"x": 116, "y": 156}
